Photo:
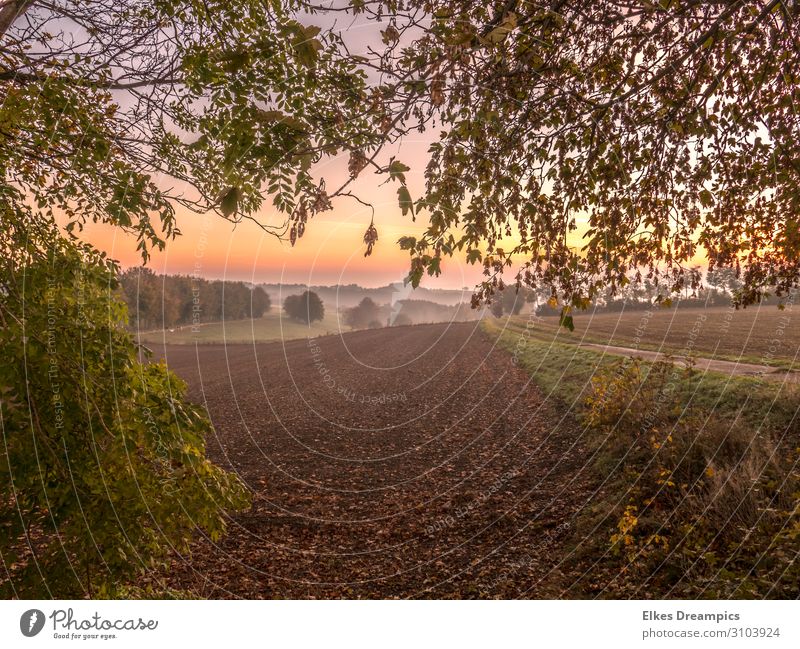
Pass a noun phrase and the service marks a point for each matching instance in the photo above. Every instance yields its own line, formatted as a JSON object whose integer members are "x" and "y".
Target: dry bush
{"x": 702, "y": 503}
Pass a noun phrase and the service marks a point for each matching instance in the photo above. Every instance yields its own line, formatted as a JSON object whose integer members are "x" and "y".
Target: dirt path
{"x": 707, "y": 364}
{"x": 403, "y": 462}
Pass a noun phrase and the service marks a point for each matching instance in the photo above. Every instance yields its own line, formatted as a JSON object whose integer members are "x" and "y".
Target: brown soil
{"x": 759, "y": 335}
{"x": 404, "y": 462}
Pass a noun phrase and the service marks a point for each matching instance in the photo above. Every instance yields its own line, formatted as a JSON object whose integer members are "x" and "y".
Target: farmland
{"x": 383, "y": 463}
{"x": 463, "y": 461}
{"x": 270, "y": 327}
{"x": 762, "y": 335}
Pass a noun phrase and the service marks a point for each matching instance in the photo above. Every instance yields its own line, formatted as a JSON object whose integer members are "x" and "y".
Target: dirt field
{"x": 403, "y": 462}
{"x": 759, "y": 335}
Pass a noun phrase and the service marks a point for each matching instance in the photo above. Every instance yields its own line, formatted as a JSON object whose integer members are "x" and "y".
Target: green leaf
{"x": 473, "y": 256}
{"x": 404, "y": 197}
{"x": 415, "y": 276}
{"x": 434, "y": 267}
{"x": 396, "y": 169}
{"x": 407, "y": 243}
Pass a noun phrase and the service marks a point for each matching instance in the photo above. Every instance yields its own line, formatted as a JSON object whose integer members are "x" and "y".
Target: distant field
{"x": 762, "y": 335}
{"x": 565, "y": 370}
{"x": 273, "y": 326}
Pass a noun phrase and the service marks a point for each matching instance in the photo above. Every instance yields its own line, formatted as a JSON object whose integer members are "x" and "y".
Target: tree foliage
{"x": 116, "y": 111}
{"x": 586, "y": 142}
{"x": 163, "y": 301}
{"x": 102, "y": 458}
{"x": 361, "y": 315}
{"x": 580, "y": 144}
{"x": 306, "y": 307}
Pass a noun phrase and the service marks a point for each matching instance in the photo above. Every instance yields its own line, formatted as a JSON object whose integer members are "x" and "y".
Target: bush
{"x": 700, "y": 506}
{"x": 103, "y": 461}
{"x": 306, "y": 307}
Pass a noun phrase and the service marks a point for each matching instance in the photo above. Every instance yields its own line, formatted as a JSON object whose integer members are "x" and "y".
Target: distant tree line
{"x": 344, "y": 296}
{"x": 155, "y": 301}
{"x": 719, "y": 288}
{"x": 367, "y": 314}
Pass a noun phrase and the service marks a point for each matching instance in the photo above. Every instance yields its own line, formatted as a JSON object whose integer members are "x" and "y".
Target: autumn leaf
{"x": 370, "y": 238}
{"x": 230, "y": 202}
{"x": 404, "y": 198}
{"x": 500, "y": 32}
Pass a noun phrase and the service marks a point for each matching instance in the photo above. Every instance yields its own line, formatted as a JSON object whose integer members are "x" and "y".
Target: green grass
{"x": 564, "y": 371}
{"x": 273, "y": 326}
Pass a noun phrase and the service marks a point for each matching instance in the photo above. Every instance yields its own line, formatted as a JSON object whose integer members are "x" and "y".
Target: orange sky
{"x": 331, "y": 252}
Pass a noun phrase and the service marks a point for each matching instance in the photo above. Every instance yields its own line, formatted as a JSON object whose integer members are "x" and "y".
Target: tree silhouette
{"x": 306, "y": 307}
{"x": 363, "y": 314}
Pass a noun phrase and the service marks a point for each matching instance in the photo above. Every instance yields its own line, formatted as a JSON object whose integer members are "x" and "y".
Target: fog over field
{"x": 343, "y": 296}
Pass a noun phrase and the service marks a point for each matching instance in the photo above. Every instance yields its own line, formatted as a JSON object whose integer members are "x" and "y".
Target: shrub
{"x": 103, "y": 459}
{"x": 700, "y": 505}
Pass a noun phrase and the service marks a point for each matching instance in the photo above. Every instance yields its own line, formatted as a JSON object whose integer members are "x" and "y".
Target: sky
{"x": 332, "y": 249}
